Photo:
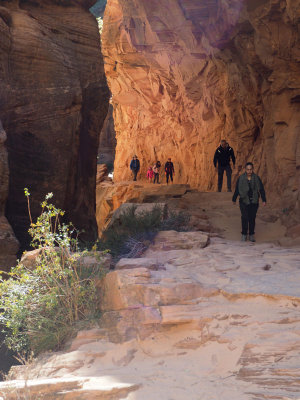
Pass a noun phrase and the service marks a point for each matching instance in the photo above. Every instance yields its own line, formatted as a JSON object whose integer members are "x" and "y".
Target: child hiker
{"x": 150, "y": 174}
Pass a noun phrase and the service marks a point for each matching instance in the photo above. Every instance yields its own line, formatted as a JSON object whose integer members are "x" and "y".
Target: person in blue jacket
{"x": 135, "y": 167}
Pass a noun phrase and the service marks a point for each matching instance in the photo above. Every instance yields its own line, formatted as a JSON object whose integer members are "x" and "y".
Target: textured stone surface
{"x": 8, "y": 242}
{"x": 109, "y": 197}
{"x": 139, "y": 209}
{"x": 184, "y": 74}
{"x": 53, "y": 101}
{"x": 107, "y": 140}
{"x": 102, "y": 174}
{"x": 221, "y": 322}
{"x": 87, "y": 260}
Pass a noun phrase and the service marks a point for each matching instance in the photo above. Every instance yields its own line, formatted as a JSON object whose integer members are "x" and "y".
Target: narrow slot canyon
{"x": 190, "y": 311}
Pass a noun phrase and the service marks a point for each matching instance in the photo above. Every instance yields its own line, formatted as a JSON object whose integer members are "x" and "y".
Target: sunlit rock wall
{"x": 185, "y": 74}
{"x": 53, "y": 101}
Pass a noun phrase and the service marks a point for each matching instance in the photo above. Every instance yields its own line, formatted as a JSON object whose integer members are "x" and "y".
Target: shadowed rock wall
{"x": 185, "y": 74}
{"x": 8, "y": 242}
{"x": 107, "y": 141}
{"x": 53, "y": 101}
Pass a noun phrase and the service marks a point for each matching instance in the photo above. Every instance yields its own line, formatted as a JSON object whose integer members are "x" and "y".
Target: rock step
{"x": 66, "y": 389}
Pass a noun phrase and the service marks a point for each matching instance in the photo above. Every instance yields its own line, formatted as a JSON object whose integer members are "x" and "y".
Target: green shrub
{"x": 41, "y": 306}
{"x": 133, "y": 233}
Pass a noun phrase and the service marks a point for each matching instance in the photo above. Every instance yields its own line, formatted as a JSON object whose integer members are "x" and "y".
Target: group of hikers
{"x": 249, "y": 186}
{"x": 153, "y": 171}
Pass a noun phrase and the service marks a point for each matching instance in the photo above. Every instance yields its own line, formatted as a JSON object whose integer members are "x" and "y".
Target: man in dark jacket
{"x": 249, "y": 187}
{"x": 222, "y": 157}
{"x": 135, "y": 166}
{"x": 169, "y": 170}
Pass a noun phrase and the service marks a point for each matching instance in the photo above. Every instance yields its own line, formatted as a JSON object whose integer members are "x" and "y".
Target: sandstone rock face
{"x": 219, "y": 322}
{"x": 185, "y": 74}
{"x": 109, "y": 197}
{"x": 8, "y": 242}
{"x": 107, "y": 140}
{"x": 53, "y": 101}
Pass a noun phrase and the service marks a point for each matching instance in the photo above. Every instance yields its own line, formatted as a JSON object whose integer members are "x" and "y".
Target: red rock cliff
{"x": 186, "y": 73}
{"x": 53, "y": 101}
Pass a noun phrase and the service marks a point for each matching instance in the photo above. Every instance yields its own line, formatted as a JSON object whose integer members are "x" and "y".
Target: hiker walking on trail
{"x": 156, "y": 170}
{"x": 135, "y": 167}
{"x": 150, "y": 174}
{"x": 249, "y": 187}
{"x": 169, "y": 170}
{"x": 222, "y": 157}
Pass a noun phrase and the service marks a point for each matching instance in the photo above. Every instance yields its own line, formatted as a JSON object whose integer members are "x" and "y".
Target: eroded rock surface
{"x": 110, "y": 197}
{"x": 219, "y": 322}
{"x": 185, "y": 74}
{"x": 53, "y": 101}
{"x": 107, "y": 140}
{"x": 8, "y": 242}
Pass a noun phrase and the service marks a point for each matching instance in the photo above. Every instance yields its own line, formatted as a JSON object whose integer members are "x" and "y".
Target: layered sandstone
{"x": 185, "y": 74}
{"x": 110, "y": 197}
{"x": 107, "y": 140}
{"x": 188, "y": 320}
{"x": 53, "y": 101}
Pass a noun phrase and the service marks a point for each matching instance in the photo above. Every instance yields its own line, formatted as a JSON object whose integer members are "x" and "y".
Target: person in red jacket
{"x": 169, "y": 170}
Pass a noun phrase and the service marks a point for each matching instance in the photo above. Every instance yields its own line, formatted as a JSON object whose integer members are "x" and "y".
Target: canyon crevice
{"x": 185, "y": 74}
{"x": 53, "y": 102}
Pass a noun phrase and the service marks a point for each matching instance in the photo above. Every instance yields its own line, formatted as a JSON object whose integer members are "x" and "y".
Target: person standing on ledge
{"x": 135, "y": 167}
{"x": 249, "y": 187}
{"x": 169, "y": 170}
{"x": 222, "y": 157}
{"x": 156, "y": 170}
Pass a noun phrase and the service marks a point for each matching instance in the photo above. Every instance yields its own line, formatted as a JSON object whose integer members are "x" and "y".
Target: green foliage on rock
{"x": 133, "y": 232}
{"x": 41, "y": 305}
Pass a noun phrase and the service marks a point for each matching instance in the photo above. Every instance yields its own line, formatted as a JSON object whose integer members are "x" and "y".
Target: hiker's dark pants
{"x": 134, "y": 172}
{"x": 220, "y": 177}
{"x": 248, "y": 217}
{"x": 156, "y": 177}
{"x": 169, "y": 175}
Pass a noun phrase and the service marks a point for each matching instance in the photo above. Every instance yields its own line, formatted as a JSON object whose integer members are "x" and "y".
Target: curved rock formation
{"x": 185, "y": 74}
{"x": 53, "y": 101}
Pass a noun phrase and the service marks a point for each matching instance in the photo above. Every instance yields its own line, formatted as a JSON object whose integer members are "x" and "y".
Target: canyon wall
{"x": 107, "y": 141}
{"x": 53, "y": 101}
{"x": 8, "y": 242}
{"x": 185, "y": 74}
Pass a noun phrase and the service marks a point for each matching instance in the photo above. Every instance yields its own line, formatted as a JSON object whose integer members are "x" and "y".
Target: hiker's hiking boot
{"x": 244, "y": 238}
{"x": 251, "y": 238}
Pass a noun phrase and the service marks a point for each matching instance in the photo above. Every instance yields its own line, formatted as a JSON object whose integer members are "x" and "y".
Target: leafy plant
{"x": 41, "y": 304}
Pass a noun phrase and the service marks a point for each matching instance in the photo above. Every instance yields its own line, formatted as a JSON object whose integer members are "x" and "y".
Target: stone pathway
{"x": 197, "y": 317}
